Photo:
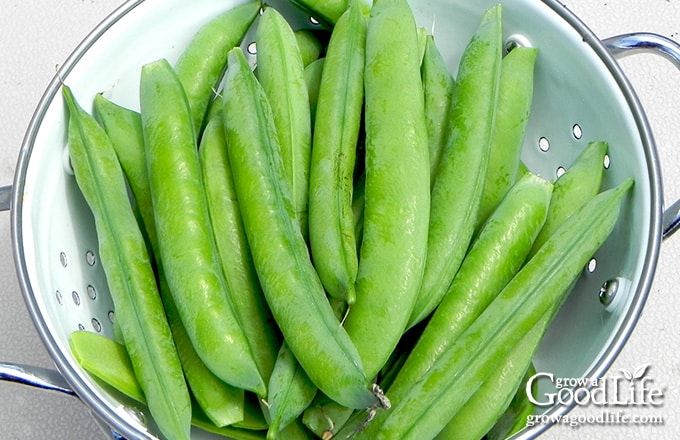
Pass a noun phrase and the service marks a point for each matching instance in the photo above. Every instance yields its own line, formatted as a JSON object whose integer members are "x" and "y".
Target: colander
{"x": 581, "y": 95}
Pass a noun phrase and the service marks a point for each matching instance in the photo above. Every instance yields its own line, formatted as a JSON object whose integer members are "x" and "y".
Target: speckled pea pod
{"x": 129, "y": 272}
{"x": 280, "y": 70}
{"x": 290, "y": 393}
{"x": 201, "y": 65}
{"x": 289, "y": 281}
{"x": 515, "y": 97}
{"x": 336, "y": 131}
{"x": 188, "y": 252}
{"x": 438, "y": 86}
{"x": 230, "y": 237}
{"x": 574, "y": 188}
{"x": 397, "y": 192}
{"x": 458, "y": 184}
{"x": 541, "y": 285}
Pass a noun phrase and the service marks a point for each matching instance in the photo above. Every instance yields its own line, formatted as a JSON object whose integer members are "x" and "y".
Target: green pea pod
{"x": 540, "y": 286}
{"x": 109, "y": 362}
{"x": 336, "y": 131}
{"x": 290, "y": 392}
{"x": 514, "y": 419}
{"x": 313, "y": 80}
{"x": 458, "y": 185}
{"x": 188, "y": 252}
{"x": 397, "y": 192}
{"x": 512, "y": 115}
{"x": 310, "y": 46}
{"x": 289, "y": 281}
{"x": 358, "y": 197}
{"x": 129, "y": 272}
{"x": 280, "y": 70}
{"x": 494, "y": 258}
{"x": 576, "y": 186}
{"x": 327, "y": 11}
{"x": 237, "y": 263}
{"x": 481, "y": 413}
{"x": 438, "y": 84}
{"x": 201, "y": 65}
{"x": 324, "y": 417}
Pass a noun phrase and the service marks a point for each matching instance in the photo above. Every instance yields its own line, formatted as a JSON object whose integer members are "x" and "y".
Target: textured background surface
{"x": 36, "y": 35}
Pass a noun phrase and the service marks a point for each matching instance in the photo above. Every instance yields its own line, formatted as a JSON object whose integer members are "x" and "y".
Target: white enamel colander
{"x": 581, "y": 95}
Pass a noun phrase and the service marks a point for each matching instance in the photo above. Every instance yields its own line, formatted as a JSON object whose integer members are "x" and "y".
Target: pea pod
{"x": 328, "y": 11}
{"x": 512, "y": 115}
{"x": 576, "y": 186}
{"x": 201, "y": 65}
{"x": 129, "y": 273}
{"x": 232, "y": 245}
{"x": 438, "y": 84}
{"x": 313, "y": 80}
{"x": 515, "y": 417}
{"x": 310, "y": 46}
{"x": 324, "y": 417}
{"x": 541, "y": 285}
{"x": 290, "y": 392}
{"x": 494, "y": 258}
{"x": 397, "y": 191}
{"x": 188, "y": 251}
{"x": 336, "y": 131}
{"x": 458, "y": 185}
{"x": 280, "y": 70}
{"x": 289, "y": 281}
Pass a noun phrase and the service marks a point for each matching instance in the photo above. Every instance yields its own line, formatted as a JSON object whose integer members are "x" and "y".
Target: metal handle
{"x": 643, "y": 42}
{"x": 35, "y": 376}
{"x": 5, "y": 197}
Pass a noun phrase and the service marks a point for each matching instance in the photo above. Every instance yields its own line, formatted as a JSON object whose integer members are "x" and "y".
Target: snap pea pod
{"x": 280, "y": 70}
{"x": 289, "y": 281}
{"x": 542, "y": 284}
{"x": 324, "y": 417}
{"x": 486, "y": 406}
{"x": 109, "y": 362}
{"x": 129, "y": 272}
{"x": 397, "y": 191}
{"x": 313, "y": 80}
{"x": 328, "y": 11}
{"x": 201, "y": 65}
{"x": 222, "y": 403}
{"x": 575, "y": 187}
{"x": 438, "y": 83}
{"x": 310, "y": 46}
{"x": 232, "y": 245}
{"x": 458, "y": 185}
{"x": 188, "y": 251}
{"x": 290, "y": 392}
{"x": 514, "y": 419}
{"x": 336, "y": 131}
{"x": 515, "y": 97}
{"x": 493, "y": 259}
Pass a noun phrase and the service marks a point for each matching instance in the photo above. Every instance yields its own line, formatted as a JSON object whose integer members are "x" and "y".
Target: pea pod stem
{"x": 129, "y": 272}
{"x": 459, "y": 180}
{"x": 336, "y": 131}
{"x": 289, "y": 281}
{"x": 397, "y": 195}
{"x": 187, "y": 248}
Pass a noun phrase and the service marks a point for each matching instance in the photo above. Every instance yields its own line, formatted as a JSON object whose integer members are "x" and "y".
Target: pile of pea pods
{"x": 342, "y": 242}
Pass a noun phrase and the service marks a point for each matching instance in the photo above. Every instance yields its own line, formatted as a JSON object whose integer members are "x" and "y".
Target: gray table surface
{"x": 37, "y": 35}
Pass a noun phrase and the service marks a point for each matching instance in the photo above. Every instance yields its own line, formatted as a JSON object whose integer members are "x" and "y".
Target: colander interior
{"x": 579, "y": 97}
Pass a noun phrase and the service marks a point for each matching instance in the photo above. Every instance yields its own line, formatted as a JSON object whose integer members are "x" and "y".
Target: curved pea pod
{"x": 313, "y": 80}
{"x": 290, "y": 393}
{"x": 289, "y": 281}
{"x": 201, "y": 65}
{"x": 310, "y": 46}
{"x": 397, "y": 188}
{"x": 129, "y": 272}
{"x": 539, "y": 287}
{"x": 493, "y": 259}
{"x": 574, "y": 188}
{"x": 336, "y": 131}
{"x": 232, "y": 245}
{"x": 328, "y": 11}
{"x": 458, "y": 184}
{"x": 324, "y": 417}
{"x": 514, "y": 419}
{"x": 515, "y": 97}
{"x": 503, "y": 387}
{"x": 280, "y": 70}
{"x": 188, "y": 252}
{"x": 438, "y": 84}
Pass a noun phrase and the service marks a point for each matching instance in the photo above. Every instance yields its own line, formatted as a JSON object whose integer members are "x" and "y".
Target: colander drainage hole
{"x": 560, "y": 171}
{"x": 62, "y": 259}
{"x": 252, "y": 48}
{"x": 60, "y": 298}
{"x": 96, "y": 325}
{"x": 112, "y": 316}
{"x": 544, "y": 144}
{"x": 577, "y": 131}
{"x": 607, "y": 161}
{"x": 592, "y": 265}
{"x": 91, "y": 292}
{"x": 76, "y": 298}
{"x": 90, "y": 258}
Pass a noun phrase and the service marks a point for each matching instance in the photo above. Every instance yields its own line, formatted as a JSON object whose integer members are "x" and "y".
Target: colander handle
{"x": 35, "y": 376}
{"x": 5, "y": 197}
{"x": 645, "y": 42}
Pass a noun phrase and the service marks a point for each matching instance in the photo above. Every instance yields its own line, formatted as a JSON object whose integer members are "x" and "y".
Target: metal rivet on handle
{"x": 608, "y": 291}
{"x": 136, "y": 414}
